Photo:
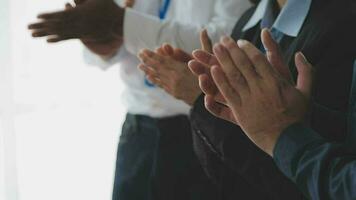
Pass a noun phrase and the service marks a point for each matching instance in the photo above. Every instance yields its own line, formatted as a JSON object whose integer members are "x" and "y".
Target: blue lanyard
{"x": 164, "y": 9}
{"x": 162, "y": 15}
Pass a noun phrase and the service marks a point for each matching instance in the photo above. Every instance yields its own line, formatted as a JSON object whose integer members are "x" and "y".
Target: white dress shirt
{"x": 181, "y": 27}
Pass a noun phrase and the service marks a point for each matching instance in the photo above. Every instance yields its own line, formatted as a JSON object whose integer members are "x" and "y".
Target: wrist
{"x": 190, "y": 101}
{"x": 267, "y": 140}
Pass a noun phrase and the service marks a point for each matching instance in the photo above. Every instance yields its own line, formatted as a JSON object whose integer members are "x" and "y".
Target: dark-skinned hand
{"x": 99, "y": 21}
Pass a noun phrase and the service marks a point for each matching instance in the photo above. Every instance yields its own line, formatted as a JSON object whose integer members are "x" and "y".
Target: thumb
{"x": 205, "y": 41}
{"x": 274, "y": 55}
{"x": 305, "y": 75}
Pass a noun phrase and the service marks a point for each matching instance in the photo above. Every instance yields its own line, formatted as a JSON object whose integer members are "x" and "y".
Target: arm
{"x": 149, "y": 32}
{"x": 105, "y": 54}
{"x": 321, "y": 170}
{"x": 227, "y": 142}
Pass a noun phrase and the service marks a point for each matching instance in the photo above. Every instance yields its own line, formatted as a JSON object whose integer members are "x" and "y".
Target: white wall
{"x": 66, "y": 116}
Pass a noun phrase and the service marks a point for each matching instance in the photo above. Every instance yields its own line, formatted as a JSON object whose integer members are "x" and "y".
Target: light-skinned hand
{"x": 262, "y": 100}
{"x": 168, "y": 69}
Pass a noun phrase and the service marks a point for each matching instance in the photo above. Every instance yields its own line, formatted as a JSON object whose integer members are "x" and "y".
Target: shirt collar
{"x": 289, "y": 21}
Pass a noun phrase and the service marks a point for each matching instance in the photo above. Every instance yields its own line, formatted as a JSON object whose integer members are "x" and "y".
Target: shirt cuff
{"x": 140, "y": 31}
{"x": 291, "y": 144}
{"x": 92, "y": 59}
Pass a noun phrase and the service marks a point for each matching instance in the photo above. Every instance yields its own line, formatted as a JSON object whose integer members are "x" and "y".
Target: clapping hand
{"x": 263, "y": 100}
{"x": 90, "y": 20}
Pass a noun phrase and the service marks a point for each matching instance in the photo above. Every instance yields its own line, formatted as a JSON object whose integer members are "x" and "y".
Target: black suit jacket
{"x": 328, "y": 40}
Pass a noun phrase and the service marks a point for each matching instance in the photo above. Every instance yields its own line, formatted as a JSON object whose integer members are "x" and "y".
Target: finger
{"x": 205, "y": 41}
{"x": 161, "y": 51}
{"x": 205, "y": 57}
{"x": 168, "y": 49}
{"x": 43, "y": 33}
{"x": 274, "y": 54}
{"x": 148, "y": 70}
{"x": 305, "y": 75}
{"x": 232, "y": 72}
{"x": 155, "y": 81}
{"x": 240, "y": 60}
{"x": 181, "y": 55}
{"x": 150, "y": 58}
{"x": 129, "y": 3}
{"x": 55, "y": 15}
{"x": 207, "y": 85}
{"x": 78, "y": 2}
{"x": 43, "y": 24}
{"x": 68, "y": 6}
{"x": 258, "y": 60}
{"x": 218, "y": 109}
{"x": 59, "y": 38}
{"x": 197, "y": 68}
{"x": 232, "y": 96}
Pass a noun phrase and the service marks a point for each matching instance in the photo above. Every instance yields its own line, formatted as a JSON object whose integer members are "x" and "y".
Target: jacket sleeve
{"x": 227, "y": 142}
{"x": 321, "y": 170}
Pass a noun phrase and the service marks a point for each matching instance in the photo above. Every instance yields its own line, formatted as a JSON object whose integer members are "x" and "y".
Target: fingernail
{"x": 304, "y": 58}
{"x": 266, "y": 30}
{"x": 195, "y": 51}
{"x": 241, "y": 43}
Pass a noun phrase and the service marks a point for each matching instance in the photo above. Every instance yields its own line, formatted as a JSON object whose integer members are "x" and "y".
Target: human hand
{"x": 91, "y": 20}
{"x": 102, "y": 48}
{"x": 204, "y": 59}
{"x": 262, "y": 101}
{"x": 168, "y": 69}
{"x": 129, "y": 3}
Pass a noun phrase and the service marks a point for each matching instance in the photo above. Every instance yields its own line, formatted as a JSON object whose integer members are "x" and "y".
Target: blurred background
{"x": 59, "y": 119}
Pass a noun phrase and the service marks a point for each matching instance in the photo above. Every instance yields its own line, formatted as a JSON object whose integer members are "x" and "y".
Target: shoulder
{"x": 330, "y": 19}
{"x": 333, "y": 12}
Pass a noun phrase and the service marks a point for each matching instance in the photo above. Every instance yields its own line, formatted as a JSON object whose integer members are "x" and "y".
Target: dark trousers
{"x": 156, "y": 161}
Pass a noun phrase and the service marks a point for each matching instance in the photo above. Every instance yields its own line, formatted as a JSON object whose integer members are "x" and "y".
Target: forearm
{"x": 321, "y": 170}
{"x": 147, "y": 31}
{"x": 240, "y": 155}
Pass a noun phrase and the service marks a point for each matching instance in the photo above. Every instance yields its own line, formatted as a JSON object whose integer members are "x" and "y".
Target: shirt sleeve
{"x": 92, "y": 59}
{"x": 145, "y": 31}
{"x": 320, "y": 169}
